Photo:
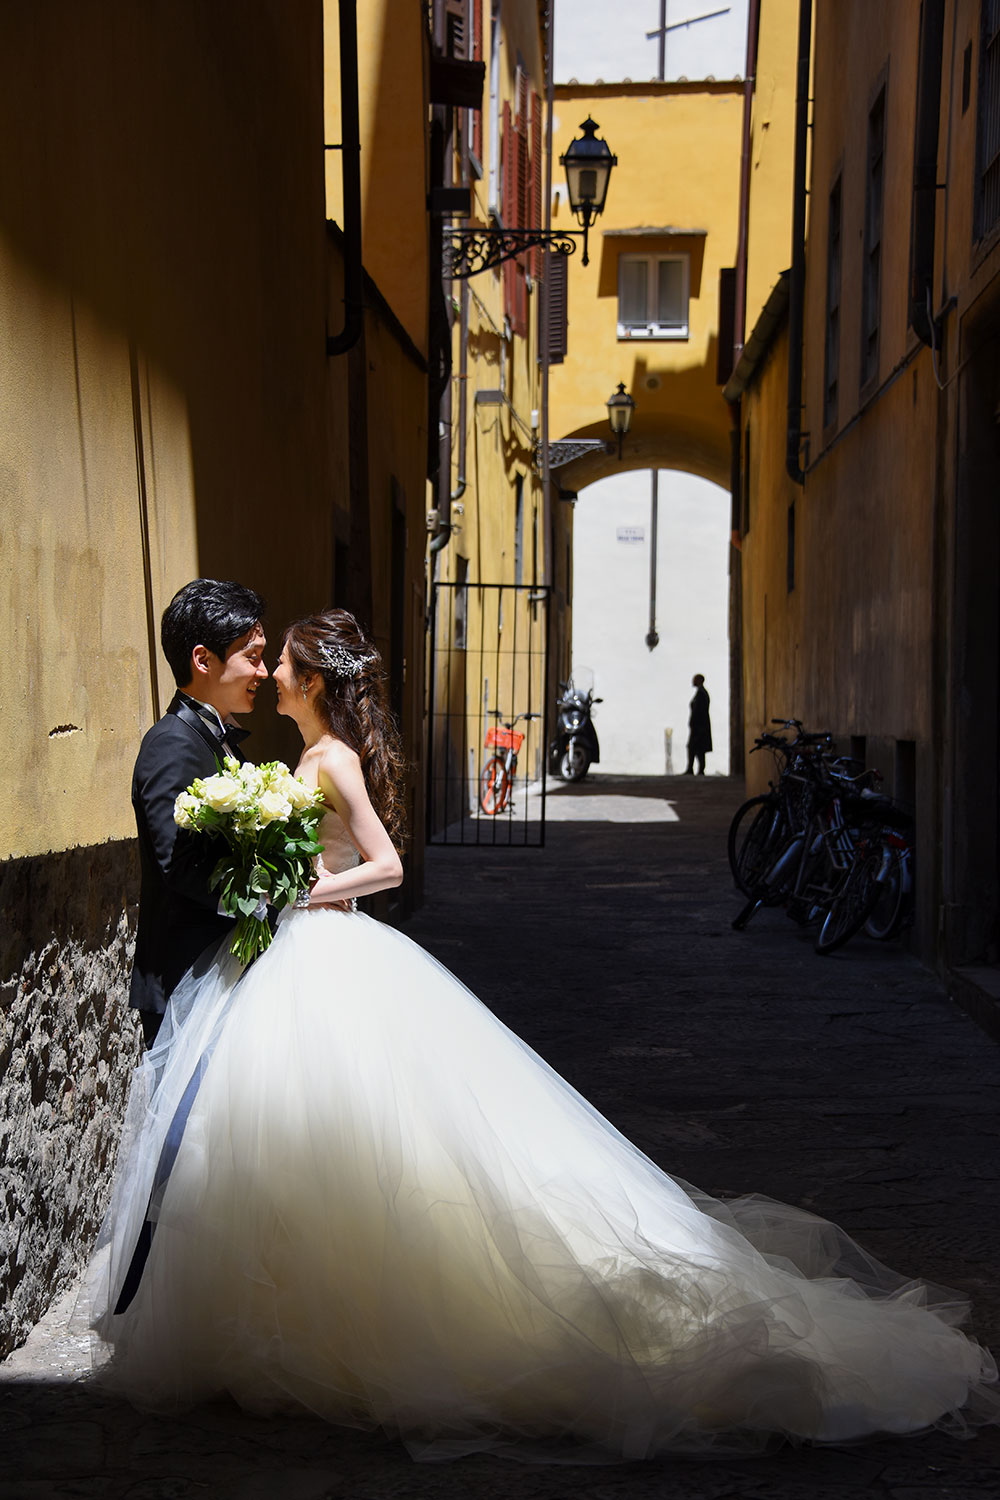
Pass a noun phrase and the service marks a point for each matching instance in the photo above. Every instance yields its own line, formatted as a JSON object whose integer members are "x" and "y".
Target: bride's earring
{"x": 305, "y": 691}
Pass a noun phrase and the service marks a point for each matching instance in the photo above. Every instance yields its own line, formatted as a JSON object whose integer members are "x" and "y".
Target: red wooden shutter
{"x": 523, "y": 192}
{"x": 508, "y": 203}
{"x": 537, "y": 167}
{"x": 477, "y": 53}
{"x": 557, "y": 290}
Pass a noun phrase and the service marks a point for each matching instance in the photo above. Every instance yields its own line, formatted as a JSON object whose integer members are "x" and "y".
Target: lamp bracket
{"x": 469, "y": 251}
{"x": 568, "y": 449}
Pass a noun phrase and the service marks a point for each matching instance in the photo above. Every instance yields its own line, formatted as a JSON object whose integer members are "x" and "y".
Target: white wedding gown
{"x": 371, "y": 1200}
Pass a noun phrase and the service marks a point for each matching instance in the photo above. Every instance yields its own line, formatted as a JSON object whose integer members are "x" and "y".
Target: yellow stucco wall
{"x": 678, "y": 149}
{"x": 149, "y": 215}
{"x": 392, "y": 92}
{"x": 849, "y": 649}
{"x": 853, "y": 47}
{"x": 772, "y": 153}
{"x": 500, "y": 442}
{"x": 75, "y": 690}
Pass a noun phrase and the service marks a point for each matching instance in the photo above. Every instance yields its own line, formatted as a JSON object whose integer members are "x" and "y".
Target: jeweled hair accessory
{"x": 345, "y": 663}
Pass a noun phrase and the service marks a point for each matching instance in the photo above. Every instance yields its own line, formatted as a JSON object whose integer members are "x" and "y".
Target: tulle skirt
{"x": 369, "y": 1199}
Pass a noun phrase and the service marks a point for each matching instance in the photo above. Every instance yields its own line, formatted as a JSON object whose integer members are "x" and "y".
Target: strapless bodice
{"x": 339, "y": 853}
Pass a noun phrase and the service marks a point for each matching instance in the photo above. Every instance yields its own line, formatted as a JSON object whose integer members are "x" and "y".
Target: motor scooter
{"x": 574, "y": 748}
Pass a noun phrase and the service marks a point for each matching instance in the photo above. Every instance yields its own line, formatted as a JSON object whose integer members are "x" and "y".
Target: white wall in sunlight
{"x": 646, "y": 692}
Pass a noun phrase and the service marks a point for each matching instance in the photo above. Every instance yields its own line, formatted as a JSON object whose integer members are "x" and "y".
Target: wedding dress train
{"x": 369, "y": 1199}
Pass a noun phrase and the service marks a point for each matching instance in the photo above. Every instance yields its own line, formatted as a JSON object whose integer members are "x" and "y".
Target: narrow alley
{"x": 851, "y": 1085}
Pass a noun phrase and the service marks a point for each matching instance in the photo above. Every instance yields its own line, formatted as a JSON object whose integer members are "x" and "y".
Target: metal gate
{"x": 487, "y": 714}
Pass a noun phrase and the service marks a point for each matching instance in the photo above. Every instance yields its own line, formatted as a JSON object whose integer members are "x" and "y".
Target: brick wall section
{"x": 68, "y": 1044}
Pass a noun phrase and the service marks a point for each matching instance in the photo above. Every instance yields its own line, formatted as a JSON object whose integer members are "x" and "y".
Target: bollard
{"x": 668, "y": 751}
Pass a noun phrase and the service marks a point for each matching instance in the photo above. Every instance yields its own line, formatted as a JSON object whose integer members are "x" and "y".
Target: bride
{"x": 345, "y": 1186}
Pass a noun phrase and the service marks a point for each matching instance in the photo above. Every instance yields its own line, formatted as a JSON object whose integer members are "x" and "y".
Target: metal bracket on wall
{"x": 469, "y": 251}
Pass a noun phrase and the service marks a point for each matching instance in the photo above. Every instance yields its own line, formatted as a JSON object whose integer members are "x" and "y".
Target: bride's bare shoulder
{"x": 339, "y": 760}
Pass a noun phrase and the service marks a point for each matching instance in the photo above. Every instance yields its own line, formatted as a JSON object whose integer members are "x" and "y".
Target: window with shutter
{"x": 653, "y": 296}
{"x": 455, "y": 28}
{"x": 871, "y": 273}
{"x": 476, "y": 134}
{"x": 537, "y": 169}
{"x": 508, "y": 209}
{"x": 557, "y": 289}
{"x": 831, "y": 378}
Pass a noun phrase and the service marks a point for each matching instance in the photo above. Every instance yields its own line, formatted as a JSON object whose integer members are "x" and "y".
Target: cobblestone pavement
{"x": 851, "y": 1085}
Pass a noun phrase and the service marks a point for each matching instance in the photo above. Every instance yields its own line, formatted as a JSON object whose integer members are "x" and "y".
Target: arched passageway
{"x": 642, "y": 722}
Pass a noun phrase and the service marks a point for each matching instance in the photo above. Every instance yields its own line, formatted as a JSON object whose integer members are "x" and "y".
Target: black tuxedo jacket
{"x": 178, "y": 914}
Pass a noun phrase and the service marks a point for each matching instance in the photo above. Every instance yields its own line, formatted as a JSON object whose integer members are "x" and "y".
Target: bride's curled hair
{"x": 352, "y": 702}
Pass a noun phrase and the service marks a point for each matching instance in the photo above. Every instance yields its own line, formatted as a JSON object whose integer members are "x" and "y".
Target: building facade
{"x": 498, "y": 562}
{"x": 200, "y": 376}
{"x": 870, "y": 448}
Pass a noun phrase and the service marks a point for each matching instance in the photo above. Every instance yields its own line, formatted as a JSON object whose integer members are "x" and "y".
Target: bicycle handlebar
{"x": 497, "y": 713}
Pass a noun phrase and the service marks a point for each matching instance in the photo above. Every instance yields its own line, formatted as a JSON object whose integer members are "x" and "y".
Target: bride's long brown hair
{"x": 352, "y": 703}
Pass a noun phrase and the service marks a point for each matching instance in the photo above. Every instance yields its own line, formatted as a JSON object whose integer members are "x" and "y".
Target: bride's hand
{"x": 308, "y": 905}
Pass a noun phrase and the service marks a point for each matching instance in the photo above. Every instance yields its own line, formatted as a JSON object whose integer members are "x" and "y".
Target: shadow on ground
{"x": 850, "y": 1085}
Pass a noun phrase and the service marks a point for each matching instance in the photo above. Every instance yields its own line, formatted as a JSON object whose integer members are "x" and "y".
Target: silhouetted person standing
{"x": 699, "y": 727}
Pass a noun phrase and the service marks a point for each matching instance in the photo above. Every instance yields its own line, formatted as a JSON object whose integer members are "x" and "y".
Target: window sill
{"x": 652, "y": 335}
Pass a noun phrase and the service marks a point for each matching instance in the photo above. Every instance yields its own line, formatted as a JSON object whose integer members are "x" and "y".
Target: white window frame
{"x": 650, "y": 329}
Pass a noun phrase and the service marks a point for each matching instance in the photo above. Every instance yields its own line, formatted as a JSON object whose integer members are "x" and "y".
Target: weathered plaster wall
{"x": 163, "y": 374}
{"x": 67, "y": 1047}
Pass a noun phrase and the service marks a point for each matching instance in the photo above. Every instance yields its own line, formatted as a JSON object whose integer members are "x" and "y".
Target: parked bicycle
{"x": 893, "y": 909}
{"x": 496, "y": 784}
{"x": 822, "y": 842}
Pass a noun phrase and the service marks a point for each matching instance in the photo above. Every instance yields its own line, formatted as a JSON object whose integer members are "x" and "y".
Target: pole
{"x": 652, "y": 638}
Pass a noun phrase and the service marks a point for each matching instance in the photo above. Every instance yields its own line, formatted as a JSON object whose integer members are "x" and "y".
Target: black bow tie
{"x": 235, "y": 735}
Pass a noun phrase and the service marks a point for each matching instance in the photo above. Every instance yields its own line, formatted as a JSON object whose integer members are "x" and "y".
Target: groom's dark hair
{"x": 206, "y": 613}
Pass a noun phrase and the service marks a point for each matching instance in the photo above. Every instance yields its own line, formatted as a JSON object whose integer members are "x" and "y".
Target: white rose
{"x": 251, "y": 780}
{"x": 273, "y": 807}
{"x": 221, "y": 792}
{"x": 296, "y": 792}
{"x": 185, "y": 808}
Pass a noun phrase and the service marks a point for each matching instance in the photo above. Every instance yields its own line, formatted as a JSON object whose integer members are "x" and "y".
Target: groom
{"x": 212, "y": 637}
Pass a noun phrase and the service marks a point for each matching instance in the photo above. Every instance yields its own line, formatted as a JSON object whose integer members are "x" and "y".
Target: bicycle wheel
{"x": 753, "y": 841}
{"x": 887, "y": 914}
{"x": 853, "y": 902}
{"x": 494, "y": 787}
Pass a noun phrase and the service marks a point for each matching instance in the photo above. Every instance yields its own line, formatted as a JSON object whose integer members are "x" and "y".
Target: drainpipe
{"x": 445, "y": 116}
{"x": 442, "y": 536}
{"x": 350, "y": 167}
{"x": 749, "y": 84}
{"x": 544, "y": 349}
{"x": 925, "y": 170}
{"x": 797, "y": 281}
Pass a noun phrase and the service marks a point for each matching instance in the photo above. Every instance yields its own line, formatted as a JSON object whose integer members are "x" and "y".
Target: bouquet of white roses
{"x": 268, "y": 818}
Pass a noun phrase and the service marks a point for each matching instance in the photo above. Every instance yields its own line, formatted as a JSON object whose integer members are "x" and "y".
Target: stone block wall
{"x": 68, "y": 1044}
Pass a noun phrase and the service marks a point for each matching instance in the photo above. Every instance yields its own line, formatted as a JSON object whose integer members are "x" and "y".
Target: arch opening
{"x": 643, "y": 720}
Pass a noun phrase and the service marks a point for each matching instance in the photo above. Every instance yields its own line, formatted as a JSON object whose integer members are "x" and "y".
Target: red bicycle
{"x": 497, "y": 781}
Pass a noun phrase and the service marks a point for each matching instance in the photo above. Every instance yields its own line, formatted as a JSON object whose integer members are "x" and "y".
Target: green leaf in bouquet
{"x": 259, "y": 882}
{"x": 247, "y": 905}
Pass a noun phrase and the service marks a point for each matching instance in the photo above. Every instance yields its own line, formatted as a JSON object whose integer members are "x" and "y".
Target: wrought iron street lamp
{"x": 588, "y": 162}
{"x": 620, "y": 408}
